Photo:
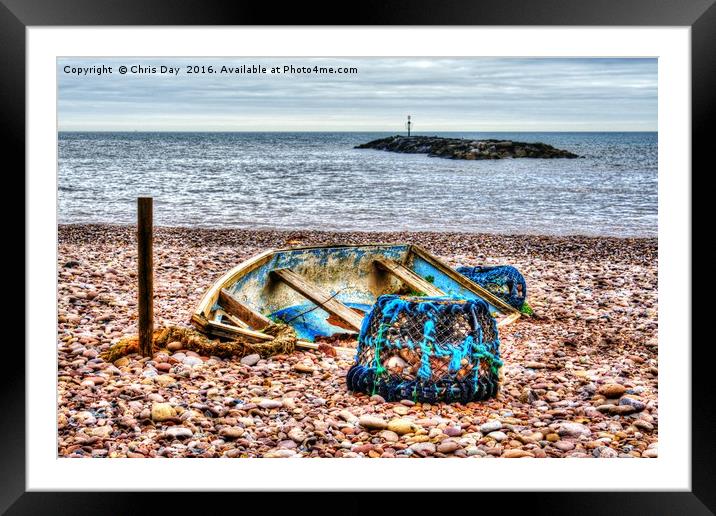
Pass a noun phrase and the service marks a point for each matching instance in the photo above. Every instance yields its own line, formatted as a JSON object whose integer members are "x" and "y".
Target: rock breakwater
{"x": 460, "y": 148}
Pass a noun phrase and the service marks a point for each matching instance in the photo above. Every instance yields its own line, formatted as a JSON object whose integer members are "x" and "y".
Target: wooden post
{"x": 145, "y": 274}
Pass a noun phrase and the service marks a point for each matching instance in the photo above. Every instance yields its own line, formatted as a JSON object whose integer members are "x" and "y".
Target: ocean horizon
{"x": 316, "y": 180}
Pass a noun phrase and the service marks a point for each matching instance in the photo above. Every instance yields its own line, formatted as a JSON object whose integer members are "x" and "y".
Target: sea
{"x": 310, "y": 180}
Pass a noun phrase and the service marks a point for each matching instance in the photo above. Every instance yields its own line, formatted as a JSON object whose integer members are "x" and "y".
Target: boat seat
{"x": 237, "y": 310}
{"x": 320, "y": 297}
{"x": 407, "y": 276}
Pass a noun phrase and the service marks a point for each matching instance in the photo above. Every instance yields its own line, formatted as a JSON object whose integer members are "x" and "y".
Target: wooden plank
{"x": 234, "y": 307}
{"x": 232, "y": 332}
{"x": 218, "y": 329}
{"x": 322, "y": 298}
{"x": 220, "y": 314}
{"x": 145, "y": 275}
{"x": 407, "y": 276}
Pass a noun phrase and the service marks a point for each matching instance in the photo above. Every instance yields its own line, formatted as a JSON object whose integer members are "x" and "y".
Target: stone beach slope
{"x": 580, "y": 378}
{"x": 459, "y": 148}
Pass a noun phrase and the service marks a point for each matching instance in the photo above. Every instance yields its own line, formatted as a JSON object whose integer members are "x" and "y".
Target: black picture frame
{"x": 700, "y": 15}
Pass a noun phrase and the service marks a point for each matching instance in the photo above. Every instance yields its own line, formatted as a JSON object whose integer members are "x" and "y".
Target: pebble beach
{"x": 580, "y": 377}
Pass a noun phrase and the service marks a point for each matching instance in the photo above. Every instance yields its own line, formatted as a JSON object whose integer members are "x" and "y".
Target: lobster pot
{"x": 427, "y": 349}
{"x": 504, "y": 281}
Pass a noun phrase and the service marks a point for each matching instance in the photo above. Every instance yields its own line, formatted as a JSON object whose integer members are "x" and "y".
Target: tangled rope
{"x": 284, "y": 341}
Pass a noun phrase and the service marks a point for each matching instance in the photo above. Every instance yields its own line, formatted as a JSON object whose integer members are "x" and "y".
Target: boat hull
{"x": 323, "y": 282}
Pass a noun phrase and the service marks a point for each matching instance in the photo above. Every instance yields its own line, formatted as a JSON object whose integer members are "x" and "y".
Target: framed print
{"x": 388, "y": 255}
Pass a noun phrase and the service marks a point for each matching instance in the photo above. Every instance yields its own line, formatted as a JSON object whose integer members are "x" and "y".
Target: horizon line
{"x": 343, "y": 131}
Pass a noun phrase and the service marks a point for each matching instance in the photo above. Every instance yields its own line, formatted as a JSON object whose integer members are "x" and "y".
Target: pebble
{"x": 270, "y": 404}
{"x": 448, "y": 446}
{"x": 605, "y": 452}
{"x": 573, "y": 430}
{"x": 497, "y": 436}
{"x": 303, "y": 368}
{"x": 102, "y": 431}
{"x": 174, "y": 346}
{"x": 637, "y": 405}
{"x": 516, "y": 454}
{"x": 164, "y": 380}
{"x": 192, "y": 361}
{"x": 162, "y": 412}
{"x": 389, "y": 436}
{"x": 453, "y": 431}
{"x": 280, "y": 453}
{"x": 232, "y": 433}
{"x": 472, "y": 451}
{"x": 644, "y": 425}
{"x": 178, "y": 432}
{"x": 490, "y": 426}
{"x": 297, "y": 435}
{"x": 564, "y": 445}
{"x": 423, "y": 449}
{"x": 401, "y": 426}
{"x": 612, "y": 390}
{"x": 370, "y": 422}
{"x": 651, "y": 453}
{"x": 251, "y": 360}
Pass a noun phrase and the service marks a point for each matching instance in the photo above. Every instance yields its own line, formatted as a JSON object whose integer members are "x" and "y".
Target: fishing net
{"x": 427, "y": 349}
{"x": 284, "y": 341}
{"x": 504, "y": 281}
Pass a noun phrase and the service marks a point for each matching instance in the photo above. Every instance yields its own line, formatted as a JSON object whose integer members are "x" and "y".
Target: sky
{"x": 440, "y": 94}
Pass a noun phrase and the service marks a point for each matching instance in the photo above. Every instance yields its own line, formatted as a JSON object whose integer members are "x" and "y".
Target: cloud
{"x": 459, "y": 94}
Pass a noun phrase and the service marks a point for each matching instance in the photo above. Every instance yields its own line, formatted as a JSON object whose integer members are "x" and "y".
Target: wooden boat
{"x": 326, "y": 291}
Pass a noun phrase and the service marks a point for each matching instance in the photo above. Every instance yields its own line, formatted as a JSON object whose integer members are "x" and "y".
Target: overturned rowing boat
{"x": 326, "y": 291}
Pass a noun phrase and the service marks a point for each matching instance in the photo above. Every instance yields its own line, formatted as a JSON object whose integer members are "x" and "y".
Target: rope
{"x": 504, "y": 281}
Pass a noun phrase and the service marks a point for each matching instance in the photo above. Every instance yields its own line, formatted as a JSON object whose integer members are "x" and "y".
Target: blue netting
{"x": 427, "y": 349}
{"x": 504, "y": 281}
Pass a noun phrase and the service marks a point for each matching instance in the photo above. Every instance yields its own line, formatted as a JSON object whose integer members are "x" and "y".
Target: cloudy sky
{"x": 456, "y": 94}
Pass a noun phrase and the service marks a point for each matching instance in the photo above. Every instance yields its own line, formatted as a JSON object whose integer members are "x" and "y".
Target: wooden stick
{"x": 145, "y": 274}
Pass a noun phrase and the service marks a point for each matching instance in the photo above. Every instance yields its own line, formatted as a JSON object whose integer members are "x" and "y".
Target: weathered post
{"x": 145, "y": 274}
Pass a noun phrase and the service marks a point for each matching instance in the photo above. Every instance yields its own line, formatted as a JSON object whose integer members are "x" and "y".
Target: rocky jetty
{"x": 460, "y": 148}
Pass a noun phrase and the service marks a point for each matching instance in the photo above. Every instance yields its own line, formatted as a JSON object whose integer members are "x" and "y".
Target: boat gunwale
{"x": 488, "y": 296}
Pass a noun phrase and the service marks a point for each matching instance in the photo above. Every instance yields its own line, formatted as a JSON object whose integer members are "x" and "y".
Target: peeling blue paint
{"x": 344, "y": 272}
{"x": 311, "y": 322}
